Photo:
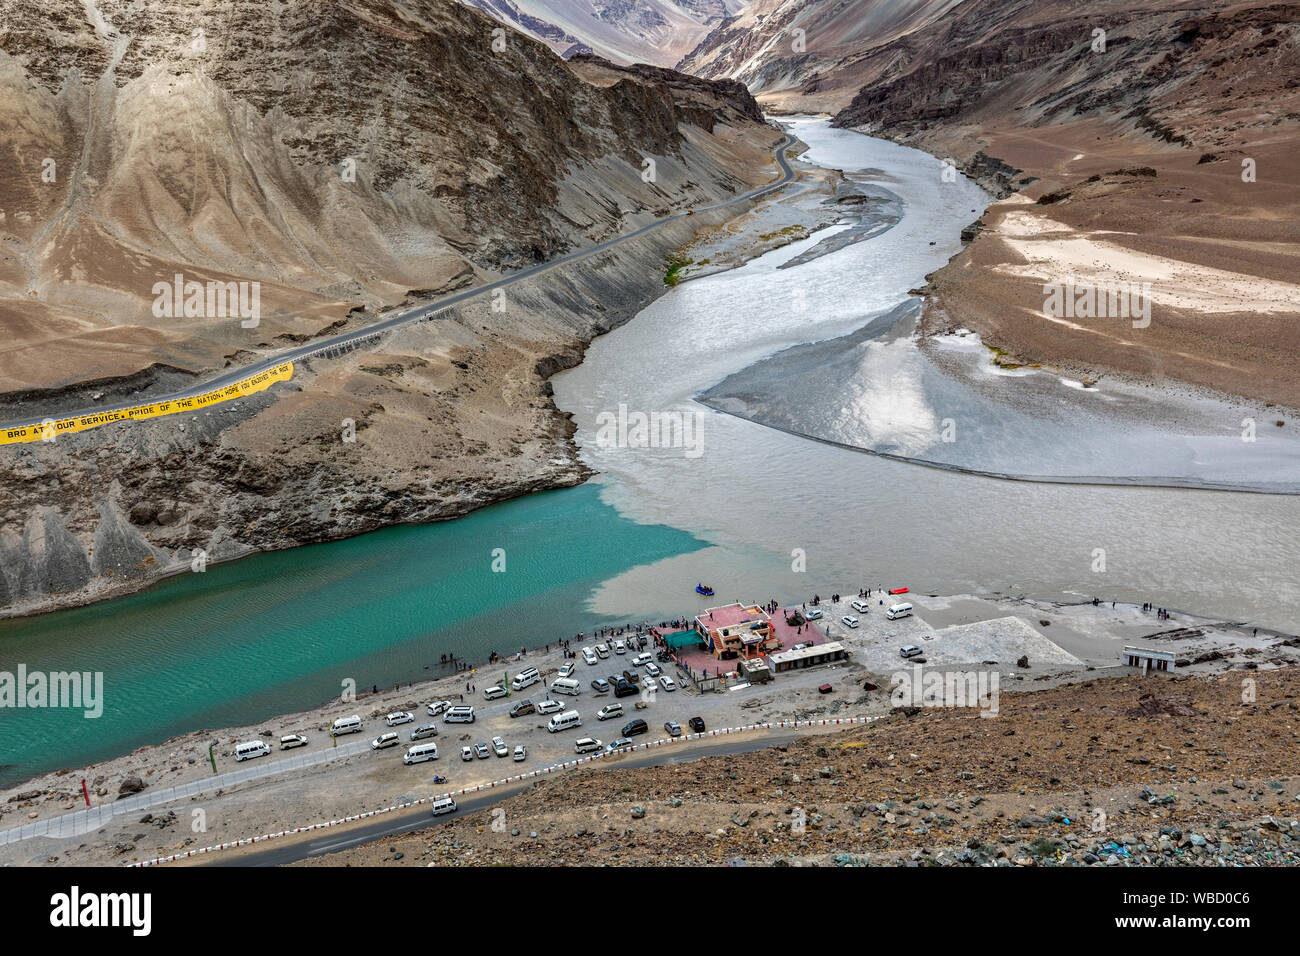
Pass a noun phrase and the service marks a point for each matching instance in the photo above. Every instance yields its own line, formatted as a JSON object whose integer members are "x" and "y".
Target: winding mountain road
{"x": 419, "y": 313}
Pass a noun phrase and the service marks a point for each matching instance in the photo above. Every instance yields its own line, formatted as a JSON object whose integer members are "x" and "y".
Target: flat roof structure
{"x": 808, "y": 656}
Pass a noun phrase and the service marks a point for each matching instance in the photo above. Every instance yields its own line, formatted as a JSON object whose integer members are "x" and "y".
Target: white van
{"x": 898, "y": 610}
{"x": 566, "y": 685}
{"x": 460, "y": 714}
{"x": 420, "y": 753}
{"x": 346, "y": 725}
{"x": 445, "y": 805}
{"x": 251, "y": 749}
{"x": 526, "y": 678}
{"x": 570, "y": 718}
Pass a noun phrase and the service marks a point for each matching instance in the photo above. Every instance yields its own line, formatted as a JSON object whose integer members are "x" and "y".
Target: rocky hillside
{"x": 624, "y": 31}
{"x": 1148, "y": 142}
{"x": 1117, "y": 772}
{"x": 806, "y": 55}
{"x": 347, "y": 157}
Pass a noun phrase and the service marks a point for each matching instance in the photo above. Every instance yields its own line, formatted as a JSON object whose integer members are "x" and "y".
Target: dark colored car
{"x": 631, "y": 677}
{"x": 522, "y": 708}
{"x": 634, "y": 727}
{"x": 625, "y": 689}
{"x": 696, "y": 725}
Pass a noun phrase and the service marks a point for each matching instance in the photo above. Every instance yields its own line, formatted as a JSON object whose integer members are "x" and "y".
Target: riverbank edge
{"x": 574, "y": 473}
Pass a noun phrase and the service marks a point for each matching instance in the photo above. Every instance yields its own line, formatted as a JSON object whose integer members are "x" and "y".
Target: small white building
{"x": 810, "y": 656}
{"x": 1148, "y": 659}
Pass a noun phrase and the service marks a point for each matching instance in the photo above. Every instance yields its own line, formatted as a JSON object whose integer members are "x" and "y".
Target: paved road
{"x": 419, "y": 313}
{"x": 419, "y": 818}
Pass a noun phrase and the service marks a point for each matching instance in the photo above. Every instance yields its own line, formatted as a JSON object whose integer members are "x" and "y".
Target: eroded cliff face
{"x": 347, "y": 157}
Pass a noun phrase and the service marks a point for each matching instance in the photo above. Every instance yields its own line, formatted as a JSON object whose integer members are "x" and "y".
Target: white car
{"x": 520, "y": 753}
{"x": 862, "y": 607}
{"x": 589, "y": 656}
{"x": 849, "y": 620}
{"x": 437, "y": 707}
{"x": 549, "y": 706}
{"x": 500, "y": 747}
{"x": 812, "y": 614}
{"x": 602, "y": 651}
{"x": 667, "y": 683}
{"x": 608, "y": 711}
{"x": 620, "y": 647}
{"x": 493, "y": 692}
{"x": 385, "y": 740}
{"x": 400, "y": 717}
{"x": 466, "y": 753}
{"x": 567, "y": 669}
{"x": 652, "y": 669}
{"x": 641, "y": 660}
{"x": 289, "y": 741}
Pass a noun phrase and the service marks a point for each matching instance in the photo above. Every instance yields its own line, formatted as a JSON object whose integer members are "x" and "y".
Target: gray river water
{"x": 781, "y": 511}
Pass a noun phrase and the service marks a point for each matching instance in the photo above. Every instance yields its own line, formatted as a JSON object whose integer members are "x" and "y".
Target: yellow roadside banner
{"x": 51, "y": 428}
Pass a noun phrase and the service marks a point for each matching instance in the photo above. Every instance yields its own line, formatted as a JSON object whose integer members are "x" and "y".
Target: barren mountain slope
{"x": 624, "y": 31}
{"x": 1161, "y": 151}
{"x": 807, "y": 55}
{"x": 222, "y": 155}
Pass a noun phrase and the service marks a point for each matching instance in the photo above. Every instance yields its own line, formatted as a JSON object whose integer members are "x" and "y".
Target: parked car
{"x": 812, "y": 614}
{"x": 566, "y": 669}
{"x": 467, "y": 753}
{"x": 909, "y": 650}
{"x": 674, "y": 729}
{"x": 481, "y": 751}
{"x": 608, "y": 711}
{"x": 400, "y": 717}
{"x": 289, "y": 741}
{"x": 493, "y": 692}
{"x": 799, "y": 647}
{"x": 549, "y": 706}
{"x": 652, "y": 669}
{"x": 667, "y": 683}
{"x": 520, "y": 753}
{"x": 586, "y": 745}
{"x": 602, "y": 651}
{"x": 620, "y": 647}
{"x": 588, "y": 656}
{"x": 522, "y": 708}
{"x": 849, "y": 620}
{"x": 499, "y": 746}
{"x": 383, "y": 741}
{"x": 600, "y": 685}
{"x": 424, "y": 730}
{"x": 625, "y": 689}
{"x": 617, "y": 744}
{"x": 862, "y": 607}
{"x": 696, "y": 725}
{"x": 641, "y": 660}
{"x": 437, "y": 707}
{"x": 634, "y": 727}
